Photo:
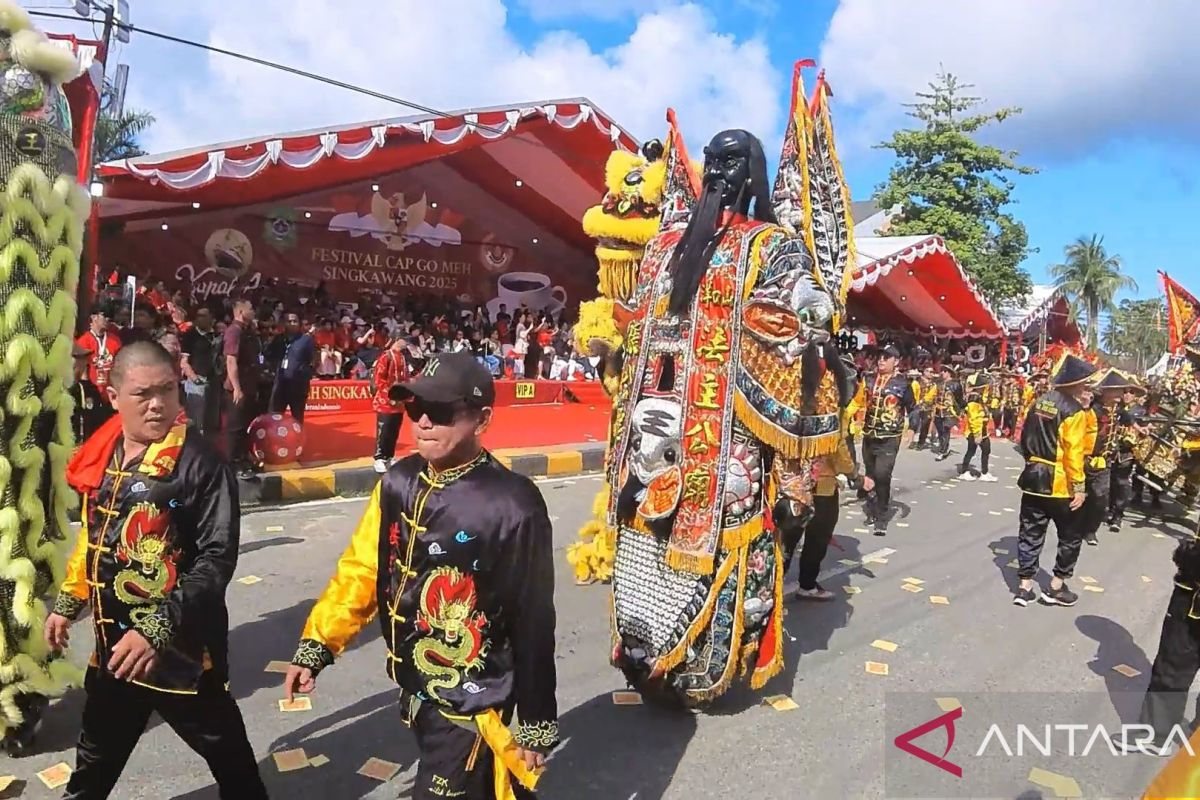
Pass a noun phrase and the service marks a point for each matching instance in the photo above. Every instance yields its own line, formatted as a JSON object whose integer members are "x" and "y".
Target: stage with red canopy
{"x": 480, "y": 204}
{"x": 915, "y": 285}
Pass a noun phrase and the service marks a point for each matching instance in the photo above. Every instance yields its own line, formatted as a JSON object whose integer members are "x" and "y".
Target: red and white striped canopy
{"x": 915, "y": 285}
{"x": 543, "y": 163}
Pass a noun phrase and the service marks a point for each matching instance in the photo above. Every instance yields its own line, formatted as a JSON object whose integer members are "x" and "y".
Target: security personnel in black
{"x": 92, "y": 409}
{"x": 887, "y": 397}
{"x": 1052, "y": 483}
{"x": 1103, "y": 421}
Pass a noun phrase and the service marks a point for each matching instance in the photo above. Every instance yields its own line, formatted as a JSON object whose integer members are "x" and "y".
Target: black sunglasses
{"x": 438, "y": 413}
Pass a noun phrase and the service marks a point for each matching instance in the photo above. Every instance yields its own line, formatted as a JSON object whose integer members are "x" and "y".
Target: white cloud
{"x": 596, "y": 9}
{"x": 451, "y": 54}
{"x": 1085, "y": 72}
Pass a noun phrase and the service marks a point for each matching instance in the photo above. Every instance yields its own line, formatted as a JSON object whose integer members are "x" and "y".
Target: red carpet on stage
{"x": 342, "y": 437}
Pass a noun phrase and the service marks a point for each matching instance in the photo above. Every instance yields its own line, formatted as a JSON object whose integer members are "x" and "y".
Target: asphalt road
{"x": 834, "y": 745}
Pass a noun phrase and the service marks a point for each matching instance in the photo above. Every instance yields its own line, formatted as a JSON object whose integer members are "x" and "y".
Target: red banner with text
{"x": 387, "y": 239}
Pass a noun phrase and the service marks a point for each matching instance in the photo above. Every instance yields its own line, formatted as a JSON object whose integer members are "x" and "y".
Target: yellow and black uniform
{"x": 818, "y": 531}
{"x": 1176, "y": 662}
{"x": 157, "y": 547}
{"x": 1053, "y": 442}
{"x": 887, "y": 401}
{"x": 926, "y": 397}
{"x": 947, "y": 407}
{"x": 1100, "y": 444}
{"x": 979, "y": 419}
{"x": 459, "y": 567}
{"x": 1121, "y": 487}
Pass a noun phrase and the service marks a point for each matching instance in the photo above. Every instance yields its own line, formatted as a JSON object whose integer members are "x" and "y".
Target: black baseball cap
{"x": 889, "y": 351}
{"x": 451, "y": 378}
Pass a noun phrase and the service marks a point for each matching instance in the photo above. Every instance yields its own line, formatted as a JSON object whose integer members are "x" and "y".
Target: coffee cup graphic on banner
{"x": 532, "y": 290}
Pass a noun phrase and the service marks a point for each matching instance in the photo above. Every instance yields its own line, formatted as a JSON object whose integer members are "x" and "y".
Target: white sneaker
{"x": 967, "y": 476}
{"x": 988, "y": 477}
{"x": 380, "y": 466}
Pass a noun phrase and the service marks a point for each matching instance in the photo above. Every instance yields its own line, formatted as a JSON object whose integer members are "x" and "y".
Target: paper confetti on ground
{"x": 901, "y": 524}
{"x": 249, "y": 580}
{"x": 1126, "y": 670}
{"x": 851, "y": 589}
{"x": 1009, "y": 510}
{"x": 379, "y": 769}
{"x": 965, "y": 514}
{"x": 950, "y": 502}
{"x": 861, "y": 530}
{"x": 295, "y": 704}
{"x": 1145, "y": 579}
{"x": 274, "y": 528}
{"x": 7, "y": 781}
{"x": 277, "y": 666}
{"x": 55, "y": 776}
{"x": 876, "y": 668}
{"x": 1012, "y": 564}
{"x": 626, "y": 698}
{"x": 914, "y": 581}
{"x": 1159, "y": 535}
{"x": 1061, "y": 785}
{"x": 982, "y": 494}
{"x": 994, "y": 513}
{"x": 846, "y": 562}
{"x": 289, "y": 760}
{"x": 908, "y": 587}
{"x": 884, "y": 644}
{"x": 1087, "y": 579}
{"x": 913, "y": 502}
{"x": 781, "y": 702}
{"x": 1091, "y": 588}
{"x": 875, "y": 560}
{"x": 1000, "y": 551}
{"x": 318, "y": 761}
{"x": 948, "y": 703}
{"x": 939, "y": 600}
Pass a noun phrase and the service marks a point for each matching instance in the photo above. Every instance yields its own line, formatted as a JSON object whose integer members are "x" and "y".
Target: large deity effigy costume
{"x": 42, "y": 212}
{"x": 730, "y": 388}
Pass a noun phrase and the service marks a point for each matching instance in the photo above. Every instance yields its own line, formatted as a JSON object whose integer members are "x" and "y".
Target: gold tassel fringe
{"x": 786, "y": 444}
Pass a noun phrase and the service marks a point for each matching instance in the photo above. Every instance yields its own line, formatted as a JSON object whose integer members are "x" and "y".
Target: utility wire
{"x": 303, "y": 73}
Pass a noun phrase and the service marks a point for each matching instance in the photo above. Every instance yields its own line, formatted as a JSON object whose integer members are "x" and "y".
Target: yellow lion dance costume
{"x": 42, "y": 214}
{"x": 628, "y": 217}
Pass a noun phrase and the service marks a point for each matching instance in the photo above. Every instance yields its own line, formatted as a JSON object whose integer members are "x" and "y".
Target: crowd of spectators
{"x": 241, "y": 356}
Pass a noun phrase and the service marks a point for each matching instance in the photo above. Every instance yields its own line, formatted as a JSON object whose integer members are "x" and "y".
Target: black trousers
{"x": 817, "y": 533}
{"x": 454, "y": 761}
{"x": 1175, "y": 667}
{"x": 879, "y": 459}
{"x": 290, "y": 394}
{"x": 851, "y": 447}
{"x": 1119, "y": 493}
{"x": 387, "y": 431}
{"x": 115, "y": 715}
{"x": 1091, "y": 515}
{"x": 204, "y": 409}
{"x": 1009, "y": 420}
{"x": 237, "y": 423}
{"x": 923, "y": 424}
{"x": 941, "y": 428}
{"x": 1036, "y": 514}
{"x": 984, "y": 445}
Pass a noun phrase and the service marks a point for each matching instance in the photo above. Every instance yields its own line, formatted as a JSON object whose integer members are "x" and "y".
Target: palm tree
{"x": 1091, "y": 278}
{"x": 117, "y": 135}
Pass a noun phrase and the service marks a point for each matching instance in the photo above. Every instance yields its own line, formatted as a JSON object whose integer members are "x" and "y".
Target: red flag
{"x": 1183, "y": 313}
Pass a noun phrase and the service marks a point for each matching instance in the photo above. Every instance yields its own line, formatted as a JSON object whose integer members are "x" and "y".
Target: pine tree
{"x": 948, "y": 183}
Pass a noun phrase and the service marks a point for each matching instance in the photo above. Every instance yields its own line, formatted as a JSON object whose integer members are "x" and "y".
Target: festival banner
{"x": 354, "y": 397}
{"x": 1183, "y": 313}
{"x": 383, "y": 239}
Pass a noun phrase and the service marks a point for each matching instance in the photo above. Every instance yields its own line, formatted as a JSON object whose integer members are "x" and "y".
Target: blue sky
{"x": 1105, "y": 86}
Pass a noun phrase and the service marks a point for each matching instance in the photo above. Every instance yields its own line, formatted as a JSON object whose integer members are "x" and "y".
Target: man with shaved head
{"x": 157, "y": 547}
